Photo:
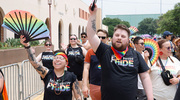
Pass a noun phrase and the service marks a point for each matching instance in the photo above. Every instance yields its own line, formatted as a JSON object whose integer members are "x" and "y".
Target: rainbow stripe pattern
{"x": 99, "y": 66}
{"x": 62, "y": 54}
{"x": 22, "y": 22}
{"x": 119, "y": 54}
{"x": 133, "y": 29}
{"x": 153, "y": 45}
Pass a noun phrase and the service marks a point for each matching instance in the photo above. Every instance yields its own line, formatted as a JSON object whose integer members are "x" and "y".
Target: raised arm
{"x": 84, "y": 51}
{"x": 91, "y": 29}
{"x": 38, "y": 58}
{"x": 76, "y": 90}
{"x": 39, "y": 68}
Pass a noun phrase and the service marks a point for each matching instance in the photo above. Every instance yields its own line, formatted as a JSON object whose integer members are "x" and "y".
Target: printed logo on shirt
{"x": 72, "y": 53}
{"x": 62, "y": 86}
{"x": 123, "y": 62}
{"x": 99, "y": 66}
{"x": 170, "y": 68}
{"x": 47, "y": 57}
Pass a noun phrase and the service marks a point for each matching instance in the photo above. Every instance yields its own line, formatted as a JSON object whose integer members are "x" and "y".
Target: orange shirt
{"x": 88, "y": 55}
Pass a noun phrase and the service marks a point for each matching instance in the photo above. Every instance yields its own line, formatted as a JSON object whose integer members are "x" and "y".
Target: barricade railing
{"x": 12, "y": 79}
{"x": 22, "y": 82}
{"x": 31, "y": 82}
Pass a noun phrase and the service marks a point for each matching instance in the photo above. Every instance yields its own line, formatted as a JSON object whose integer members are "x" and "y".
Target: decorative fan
{"x": 133, "y": 29}
{"x": 152, "y": 46}
{"x": 24, "y": 23}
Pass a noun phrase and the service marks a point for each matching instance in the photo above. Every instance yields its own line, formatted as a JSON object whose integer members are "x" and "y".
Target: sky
{"x": 122, "y": 7}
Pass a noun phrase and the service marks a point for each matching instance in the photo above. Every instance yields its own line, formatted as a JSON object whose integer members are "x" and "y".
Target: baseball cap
{"x": 167, "y": 33}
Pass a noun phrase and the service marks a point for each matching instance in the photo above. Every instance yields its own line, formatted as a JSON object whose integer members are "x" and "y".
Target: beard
{"x": 121, "y": 47}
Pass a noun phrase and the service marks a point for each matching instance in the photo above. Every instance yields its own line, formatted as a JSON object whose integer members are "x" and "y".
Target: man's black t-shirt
{"x": 54, "y": 85}
{"x": 119, "y": 77}
{"x": 47, "y": 59}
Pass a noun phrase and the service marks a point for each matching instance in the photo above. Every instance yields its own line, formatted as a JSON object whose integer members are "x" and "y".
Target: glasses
{"x": 169, "y": 48}
{"x": 83, "y": 36}
{"x": 48, "y": 44}
{"x": 72, "y": 38}
{"x": 141, "y": 43}
{"x": 60, "y": 58}
{"x": 102, "y": 37}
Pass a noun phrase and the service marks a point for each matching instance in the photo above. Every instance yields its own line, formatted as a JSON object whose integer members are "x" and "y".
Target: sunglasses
{"x": 102, "y": 37}
{"x": 169, "y": 48}
{"x": 48, "y": 44}
{"x": 83, "y": 36}
{"x": 141, "y": 43}
{"x": 72, "y": 38}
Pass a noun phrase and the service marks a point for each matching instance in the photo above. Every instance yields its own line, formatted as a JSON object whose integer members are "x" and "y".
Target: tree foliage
{"x": 170, "y": 21}
{"x": 111, "y": 23}
{"x": 147, "y": 26}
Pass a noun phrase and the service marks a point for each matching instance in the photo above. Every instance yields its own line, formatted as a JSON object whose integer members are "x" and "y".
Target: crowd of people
{"x": 117, "y": 71}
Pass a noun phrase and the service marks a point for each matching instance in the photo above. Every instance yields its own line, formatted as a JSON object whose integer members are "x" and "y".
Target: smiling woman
{"x": 160, "y": 89}
{"x": 58, "y": 83}
{"x": 47, "y": 56}
{"x": 74, "y": 52}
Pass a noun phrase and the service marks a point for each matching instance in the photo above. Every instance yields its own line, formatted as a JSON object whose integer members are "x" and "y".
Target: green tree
{"x": 111, "y": 23}
{"x": 170, "y": 21}
{"x": 147, "y": 26}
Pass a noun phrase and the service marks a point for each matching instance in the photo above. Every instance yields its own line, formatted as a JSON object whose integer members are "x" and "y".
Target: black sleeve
{"x": 101, "y": 50}
{"x": 143, "y": 67}
{"x": 73, "y": 77}
{"x": 45, "y": 78}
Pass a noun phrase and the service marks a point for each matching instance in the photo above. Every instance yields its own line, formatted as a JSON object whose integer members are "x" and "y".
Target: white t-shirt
{"x": 140, "y": 86}
{"x": 85, "y": 43}
{"x": 160, "y": 90}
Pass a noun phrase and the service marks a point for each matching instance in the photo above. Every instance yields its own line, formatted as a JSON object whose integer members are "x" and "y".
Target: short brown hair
{"x": 160, "y": 42}
{"x": 121, "y": 26}
{"x": 104, "y": 31}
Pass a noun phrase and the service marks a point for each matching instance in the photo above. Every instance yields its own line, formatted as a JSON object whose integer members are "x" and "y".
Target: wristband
{"x": 27, "y": 47}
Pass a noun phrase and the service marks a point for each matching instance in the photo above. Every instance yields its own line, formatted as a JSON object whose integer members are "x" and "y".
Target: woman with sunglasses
{"x": 73, "y": 50}
{"x": 160, "y": 90}
{"x": 47, "y": 56}
{"x": 59, "y": 84}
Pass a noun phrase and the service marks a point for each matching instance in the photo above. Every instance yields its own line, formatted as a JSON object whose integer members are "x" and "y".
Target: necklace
{"x": 58, "y": 83}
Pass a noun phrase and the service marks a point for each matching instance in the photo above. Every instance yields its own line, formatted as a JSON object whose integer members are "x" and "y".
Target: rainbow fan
{"x": 152, "y": 45}
{"x": 24, "y": 23}
{"x": 133, "y": 29}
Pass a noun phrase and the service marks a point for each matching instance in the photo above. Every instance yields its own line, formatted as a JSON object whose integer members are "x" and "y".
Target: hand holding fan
{"x": 93, "y": 5}
{"x": 152, "y": 46}
{"x": 133, "y": 29}
{"x": 24, "y": 23}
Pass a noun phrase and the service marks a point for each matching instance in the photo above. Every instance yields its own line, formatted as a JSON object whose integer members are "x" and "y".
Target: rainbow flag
{"x": 133, "y": 29}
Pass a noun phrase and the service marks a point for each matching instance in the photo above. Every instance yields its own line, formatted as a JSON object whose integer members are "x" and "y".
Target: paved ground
{"x": 40, "y": 97}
